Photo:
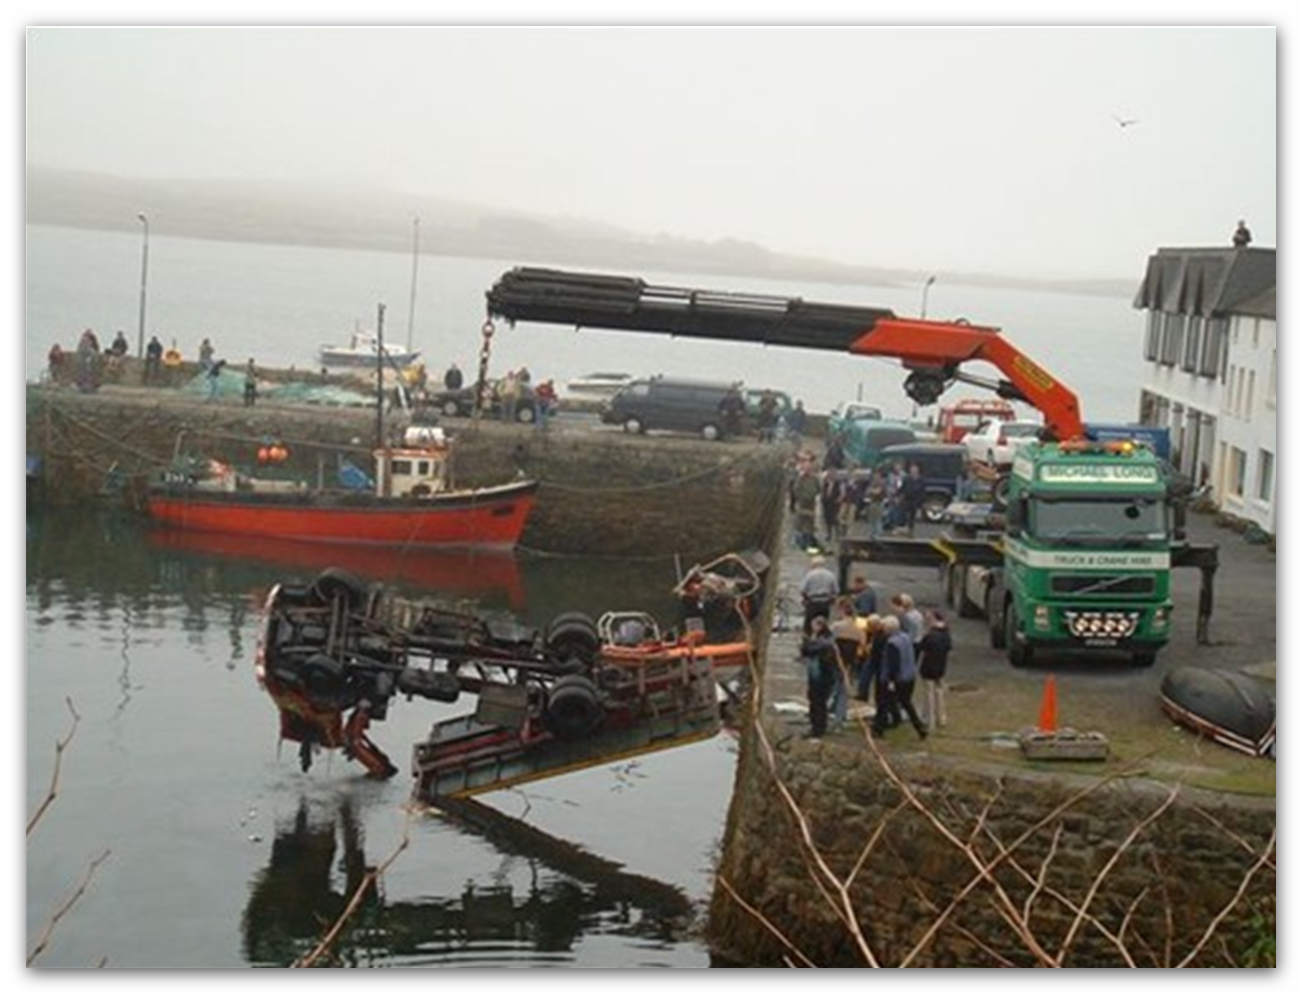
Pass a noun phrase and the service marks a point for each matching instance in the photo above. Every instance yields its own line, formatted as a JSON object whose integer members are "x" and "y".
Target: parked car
{"x": 844, "y": 414}
{"x": 460, "y": 403}
{"x": 664, "y": 403}
{"x": 943, "y": 467}
{"x": 996, "y": 442}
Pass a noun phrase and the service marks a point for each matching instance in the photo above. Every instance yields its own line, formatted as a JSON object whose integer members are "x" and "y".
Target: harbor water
{"x": 217, "y": 850}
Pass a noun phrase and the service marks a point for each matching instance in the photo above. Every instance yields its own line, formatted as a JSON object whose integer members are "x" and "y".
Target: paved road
{"x": 989, "y": 698}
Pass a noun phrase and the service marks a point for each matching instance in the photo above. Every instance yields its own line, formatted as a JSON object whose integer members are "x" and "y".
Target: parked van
{"x": 663, "y": 403}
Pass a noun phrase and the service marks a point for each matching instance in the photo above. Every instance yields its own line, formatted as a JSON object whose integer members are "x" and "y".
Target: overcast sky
{"x": 984, "y": 148}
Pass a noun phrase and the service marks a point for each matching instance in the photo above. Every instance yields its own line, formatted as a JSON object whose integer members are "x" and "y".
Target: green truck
{"x": 1086, "y": 554}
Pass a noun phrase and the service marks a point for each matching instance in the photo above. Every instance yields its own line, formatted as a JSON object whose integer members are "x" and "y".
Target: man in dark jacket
{"x": 933, "y": 659}
{"x": 899, "y": 673}
{"x": 818, "y": 651}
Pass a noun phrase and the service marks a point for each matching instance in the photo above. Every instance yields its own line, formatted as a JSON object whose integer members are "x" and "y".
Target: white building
{"x": 1210, "y": 349}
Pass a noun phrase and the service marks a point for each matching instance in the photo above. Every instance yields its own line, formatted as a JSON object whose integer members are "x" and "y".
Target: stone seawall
{"x": 602, "y": 493}
{"x": 955, "y": 852}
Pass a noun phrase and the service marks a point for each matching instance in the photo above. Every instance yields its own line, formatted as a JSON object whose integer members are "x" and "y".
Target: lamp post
{"x": 144, "y": 281}
{"x": 925, "y": 288}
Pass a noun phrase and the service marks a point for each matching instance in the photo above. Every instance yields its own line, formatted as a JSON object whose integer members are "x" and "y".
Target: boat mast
{"x": 379, "y": 378}
{"x": 415, "y": 255}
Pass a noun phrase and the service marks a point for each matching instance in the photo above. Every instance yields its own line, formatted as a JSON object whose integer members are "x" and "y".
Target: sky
{"x": 990, "y": 147}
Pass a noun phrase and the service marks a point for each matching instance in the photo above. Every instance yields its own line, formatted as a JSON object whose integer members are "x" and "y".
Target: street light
{"x": 144, "y": 279}
{"x": 925, "y": 288}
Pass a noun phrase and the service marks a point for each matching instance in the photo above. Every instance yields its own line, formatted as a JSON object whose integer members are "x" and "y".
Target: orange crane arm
{"x": 934, "y": 350}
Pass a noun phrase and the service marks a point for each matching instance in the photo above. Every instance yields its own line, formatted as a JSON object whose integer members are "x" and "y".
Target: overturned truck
{"x": 333, "y": 654}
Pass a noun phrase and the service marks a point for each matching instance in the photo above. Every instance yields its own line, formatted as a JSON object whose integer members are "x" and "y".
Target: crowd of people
{"x": 827, "y": 499}
{"x": 851, "y": 648}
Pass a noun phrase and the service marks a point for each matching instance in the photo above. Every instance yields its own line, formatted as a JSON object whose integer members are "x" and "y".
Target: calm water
{"x": 221, "y": 852}
{"x": 224, "y": 854}
{"x": 280, "y": 304}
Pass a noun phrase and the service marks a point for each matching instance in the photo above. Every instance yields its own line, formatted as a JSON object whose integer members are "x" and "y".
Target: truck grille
{"x": 1086, "y": 584}
{"x": 1102, "y": 624}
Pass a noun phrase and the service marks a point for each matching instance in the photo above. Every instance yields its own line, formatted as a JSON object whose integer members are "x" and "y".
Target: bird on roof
{"x": 1124, "y": 122}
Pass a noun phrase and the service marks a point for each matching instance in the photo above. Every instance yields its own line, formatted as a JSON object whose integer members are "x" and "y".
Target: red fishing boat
{"x": 411, "y": 501}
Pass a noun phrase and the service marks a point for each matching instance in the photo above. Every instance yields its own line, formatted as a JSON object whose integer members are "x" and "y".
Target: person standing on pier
{"x": 153, "y": 359}
{"x": 899, "y": 674}
{"x": 818, "y": 652}
{"x": 933, "y": 660}
{"x": 250, "y": 384}
{"x": 818, "y": 590}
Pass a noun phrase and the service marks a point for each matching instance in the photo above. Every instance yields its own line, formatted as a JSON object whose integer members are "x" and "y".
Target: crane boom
{"x": 932, "y": 350}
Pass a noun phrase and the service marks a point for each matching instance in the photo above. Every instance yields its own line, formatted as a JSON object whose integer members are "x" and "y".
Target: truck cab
{"x": 1087, "y": 553}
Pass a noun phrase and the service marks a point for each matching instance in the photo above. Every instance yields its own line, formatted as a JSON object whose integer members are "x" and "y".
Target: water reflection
{"x": 546, "y": 896}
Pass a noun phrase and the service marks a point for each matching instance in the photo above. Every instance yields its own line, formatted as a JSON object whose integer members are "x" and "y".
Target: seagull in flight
{"x": 1124, "y": 122}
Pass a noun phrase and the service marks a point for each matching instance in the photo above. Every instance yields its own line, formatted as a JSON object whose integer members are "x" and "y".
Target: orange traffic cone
{"x": 1049, "y": 706}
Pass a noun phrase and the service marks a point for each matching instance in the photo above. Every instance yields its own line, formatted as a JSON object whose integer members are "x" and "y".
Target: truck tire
{"x": 933, "y": 508}
{"x": 573, "y": 635}
{"x": 634, "y": 426}
{"x": 711, "y": 432}
{"x": 1019, "y": 653}
{"x": 336, "y": 582}
{"x": 995, "y": 617}
{"x": 573, "y": 709}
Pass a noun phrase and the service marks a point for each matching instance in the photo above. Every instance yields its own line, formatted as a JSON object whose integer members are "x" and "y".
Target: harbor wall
{"x": 601, "y": 493}
{"x": 941, "y": 864}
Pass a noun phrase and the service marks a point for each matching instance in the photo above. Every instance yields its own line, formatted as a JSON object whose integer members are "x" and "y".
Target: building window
{"x": 1213, "y": 349}
{"x": 1252, "y": 390}
{"x": 1192, "y": 340}
{"x": 1270, "y": 383}
{"x": 1172, "y": 339}
{"x": 1265, "y": 474}
{"x": 1152, "y": 340}
{"x": 1238, "y": 470}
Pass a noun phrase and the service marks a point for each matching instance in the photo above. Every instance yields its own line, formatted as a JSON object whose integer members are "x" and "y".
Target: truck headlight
{"x": 1161, "y": 616}
{"x": 1041, "y": 619}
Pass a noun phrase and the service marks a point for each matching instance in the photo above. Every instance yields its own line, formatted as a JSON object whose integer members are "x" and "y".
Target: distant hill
{"x": 349, "y": 218}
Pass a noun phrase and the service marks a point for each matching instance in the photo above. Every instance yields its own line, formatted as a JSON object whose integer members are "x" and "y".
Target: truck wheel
{"x": 573, "y": 635}
{"x": 451, "y": 409}
{"x": 525, "y": 414}
{"x": 1143, "y": 660}
{"x": 711, "y": 433}
{"x": 995, "y": 616}
{"x": 999, "y": 492}
{"x": 634, "y": 426}
{"x": 335, "y": 582}
{"x": 574, "y": 709}
{"x": 933, "y": 508}
{"x": 959, "y": 601}
{"x": 1019, "y": 653}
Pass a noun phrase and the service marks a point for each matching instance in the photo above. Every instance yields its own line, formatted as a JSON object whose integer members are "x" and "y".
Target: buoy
{"x": 1049, "y": 706}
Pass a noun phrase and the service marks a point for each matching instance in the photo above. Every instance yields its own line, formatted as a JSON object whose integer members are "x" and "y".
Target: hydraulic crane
{"x": 932, "y": 351}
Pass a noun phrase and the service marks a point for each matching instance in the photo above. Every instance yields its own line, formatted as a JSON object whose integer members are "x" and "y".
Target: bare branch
{"x": 368, "y": 882}
{"x": 59, "y": 747}
{"x": 43, "y": 942}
